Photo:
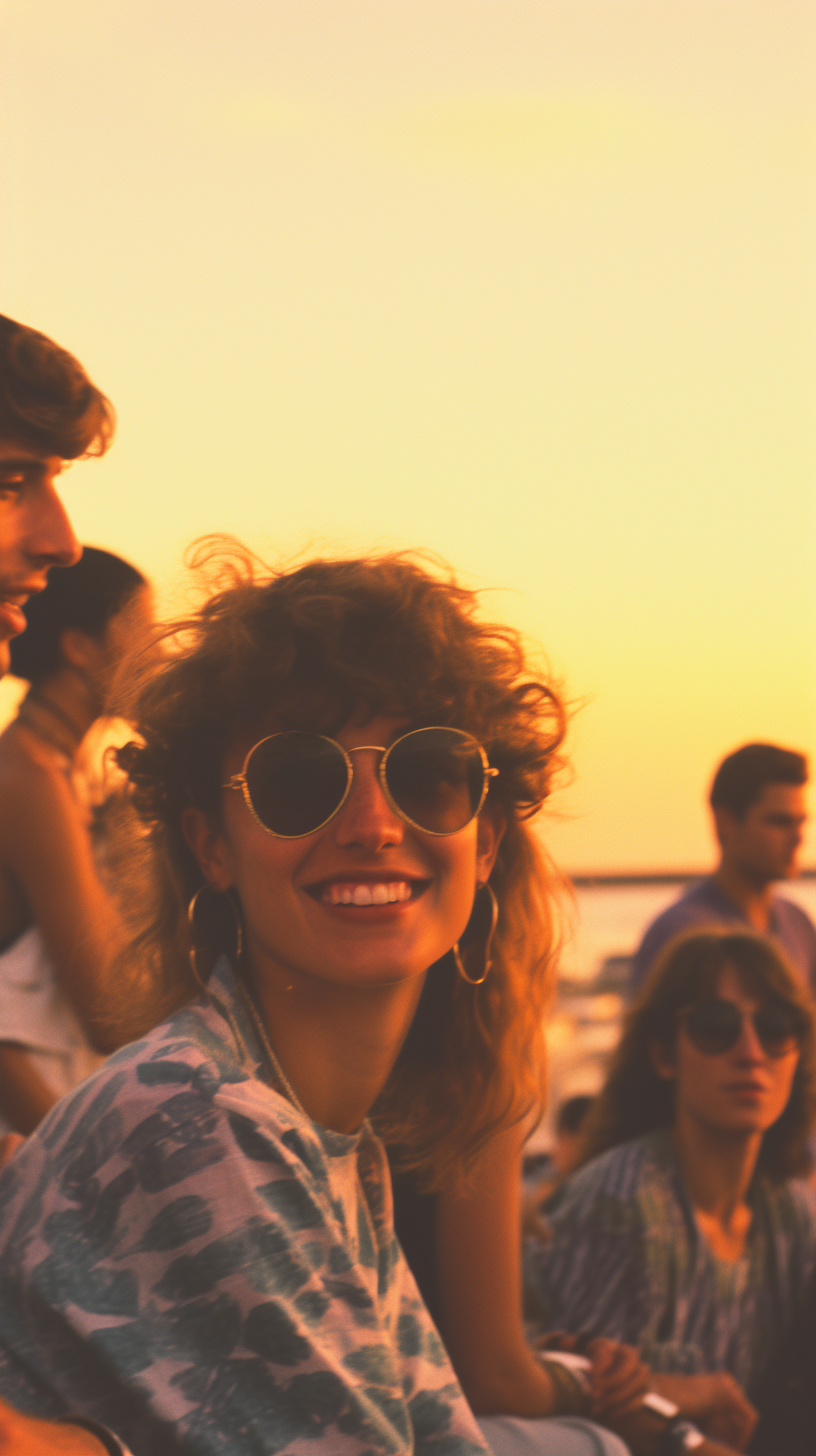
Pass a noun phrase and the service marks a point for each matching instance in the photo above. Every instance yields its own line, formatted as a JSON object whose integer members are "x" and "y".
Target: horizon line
{"x": 586, "y": 880}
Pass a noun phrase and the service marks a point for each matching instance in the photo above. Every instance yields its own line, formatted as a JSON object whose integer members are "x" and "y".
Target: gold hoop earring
{"x": 482, "y": 924}
{"x": 215, "y": 929}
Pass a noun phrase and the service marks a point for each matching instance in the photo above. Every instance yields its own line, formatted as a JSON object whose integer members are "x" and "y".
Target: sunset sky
{"x": 529, "y": 283}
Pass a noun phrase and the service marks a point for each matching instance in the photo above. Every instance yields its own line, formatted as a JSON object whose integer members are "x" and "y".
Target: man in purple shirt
{"x": 758, "y": 802}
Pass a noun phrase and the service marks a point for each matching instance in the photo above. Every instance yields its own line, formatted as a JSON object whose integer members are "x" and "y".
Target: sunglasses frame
{"x": 239, "y": 780}
{"x": 794, "y": 1039}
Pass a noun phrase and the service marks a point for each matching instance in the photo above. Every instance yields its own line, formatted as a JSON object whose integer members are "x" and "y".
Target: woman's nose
{"x": 367, "y": 819}
{"x": 749, "y": 1047}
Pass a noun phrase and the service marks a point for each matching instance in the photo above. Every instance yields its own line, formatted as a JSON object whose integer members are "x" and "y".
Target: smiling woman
{"x": 336, "y": 766}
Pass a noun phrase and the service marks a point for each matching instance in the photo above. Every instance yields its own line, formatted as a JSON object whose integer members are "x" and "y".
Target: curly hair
{"x": 307, "y": 649}
{"x": 635, "y": 1100}
{"x": 47, "y": 400}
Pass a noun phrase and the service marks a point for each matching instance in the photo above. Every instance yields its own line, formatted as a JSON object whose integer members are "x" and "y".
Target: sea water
{"x": 610, "y": 918}
{"x": 603, "y": 930}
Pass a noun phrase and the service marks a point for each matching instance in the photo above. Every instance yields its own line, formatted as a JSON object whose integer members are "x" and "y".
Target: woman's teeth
{"x": 389, "y": 893}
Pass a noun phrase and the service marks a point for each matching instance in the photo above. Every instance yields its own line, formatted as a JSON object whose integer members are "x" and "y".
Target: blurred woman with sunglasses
{"x": 336, "y": 766}
{"x": 689, "y": 1233}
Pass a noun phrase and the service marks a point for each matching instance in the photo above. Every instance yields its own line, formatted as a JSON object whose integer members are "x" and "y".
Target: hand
{"x": 715, "y": 1402}
{"x": 8, "y": 1147}
{"x": 619, "y": 1379}
{"x": 25, "y": 1436}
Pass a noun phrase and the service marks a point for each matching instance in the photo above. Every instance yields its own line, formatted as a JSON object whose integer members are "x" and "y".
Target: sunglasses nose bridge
{"x": 377, "y": 769}
{"x": 748, "y": 1041}
{"x": 367, "y": 815}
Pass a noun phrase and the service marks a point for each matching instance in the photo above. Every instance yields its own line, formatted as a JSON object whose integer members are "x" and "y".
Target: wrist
{"x": 569, "y": 1377}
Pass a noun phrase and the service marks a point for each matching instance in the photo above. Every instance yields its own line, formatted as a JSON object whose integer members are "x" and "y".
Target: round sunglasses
{"x": 435, "y": 779}
{"x": 715, "y": 1026}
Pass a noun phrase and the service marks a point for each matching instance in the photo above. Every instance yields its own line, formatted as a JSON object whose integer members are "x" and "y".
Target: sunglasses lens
{"x": 713, "y": 1026}
{"x": 295, "y": 782}
{"x": 435, "y": 777}
{"x": 778, "y": 1027}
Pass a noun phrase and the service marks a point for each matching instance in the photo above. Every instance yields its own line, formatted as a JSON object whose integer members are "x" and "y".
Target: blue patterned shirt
{"x": 627, "y": 1260}
{"x": 191, "y": 1262}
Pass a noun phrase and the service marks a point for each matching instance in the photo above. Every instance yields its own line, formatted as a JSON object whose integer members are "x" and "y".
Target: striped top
{"x": 627, "y": 1260}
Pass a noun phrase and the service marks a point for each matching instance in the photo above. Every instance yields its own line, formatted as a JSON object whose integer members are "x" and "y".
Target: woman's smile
{"x": 366, "y": 891}
{"x": 367, "y": 898}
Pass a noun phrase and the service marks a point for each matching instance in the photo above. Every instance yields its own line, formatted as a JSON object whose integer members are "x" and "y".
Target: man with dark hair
{"x": 50, "y": 413}
{"x": 758, "y": 802}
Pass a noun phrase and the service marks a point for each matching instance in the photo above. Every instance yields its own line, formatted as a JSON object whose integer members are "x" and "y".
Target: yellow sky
{"x": 529, "y": 284}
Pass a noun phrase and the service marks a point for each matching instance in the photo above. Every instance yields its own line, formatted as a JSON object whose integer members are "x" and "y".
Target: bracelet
{"x": 106, "y": 1438}
{"x": 572, "y": 1390}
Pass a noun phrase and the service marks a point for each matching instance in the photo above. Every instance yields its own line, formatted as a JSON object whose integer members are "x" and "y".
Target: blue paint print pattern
{"x": 190, "y": 1261}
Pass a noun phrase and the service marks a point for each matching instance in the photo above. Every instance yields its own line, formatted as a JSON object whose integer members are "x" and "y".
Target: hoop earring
{"x": 215, "y": 930}
{"x": 487, "y": 913}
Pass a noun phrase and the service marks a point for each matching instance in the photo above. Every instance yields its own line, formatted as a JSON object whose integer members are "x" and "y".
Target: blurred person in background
{"x": 689, "y": 1232}
{"x": 544, "y": 1176}
{"x": 59, "y": 928}
{"x": 50, "y": 413}
{"x": 758, "y": 803}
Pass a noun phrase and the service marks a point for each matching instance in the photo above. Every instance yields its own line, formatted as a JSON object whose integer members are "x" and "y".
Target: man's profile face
{"x": 35, "y": 533}
{"x": 764, "y": 843}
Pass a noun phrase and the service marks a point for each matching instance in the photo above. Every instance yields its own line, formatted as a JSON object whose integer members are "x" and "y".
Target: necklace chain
{"x": 277, "y": 1070}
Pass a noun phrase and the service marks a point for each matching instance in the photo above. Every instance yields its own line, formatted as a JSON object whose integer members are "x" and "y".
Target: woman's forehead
{"x": 732, "y": 983}
{"x": 326, "y": 720}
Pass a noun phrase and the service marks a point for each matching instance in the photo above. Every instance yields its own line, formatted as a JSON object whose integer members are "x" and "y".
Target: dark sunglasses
{"x": 435, "y": 779}
{"x": 715, "y": 1026}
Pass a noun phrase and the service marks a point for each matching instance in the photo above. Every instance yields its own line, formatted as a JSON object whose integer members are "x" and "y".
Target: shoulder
{"x": 792, "y": 1208}
{"x": 700, "y": 905}
{"x": 794, "y": 917}
{"x": 26, "y": 766}
{"x": 615, "y": 1178}
{"x": 172, "y": 1138}
{"x": 162, "y": 1093}
{"x": 34, "y": 789}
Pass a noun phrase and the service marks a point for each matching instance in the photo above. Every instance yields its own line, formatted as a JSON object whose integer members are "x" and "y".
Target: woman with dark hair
{"x": 336, "y": 767}
{"x": 58, "y": 926}
{"x": 688, "y": 1233}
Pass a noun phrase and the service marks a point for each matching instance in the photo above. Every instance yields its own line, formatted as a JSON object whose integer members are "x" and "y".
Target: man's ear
{"x": 662, "y": 1063}
{"x": 207, "y": 844}
{"x": 490, "y": 827}
{"x": 726, "y": 826}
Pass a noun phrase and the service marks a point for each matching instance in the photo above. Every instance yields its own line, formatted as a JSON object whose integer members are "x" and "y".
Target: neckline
{"x": 284, "y": 1085}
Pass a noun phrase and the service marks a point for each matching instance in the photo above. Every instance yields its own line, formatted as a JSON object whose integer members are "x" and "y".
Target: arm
{"x": 479, "y": 1268}
{"x": 47, "y": 852}
{"x": 25, "y": 1436}
{"x": 479, "y": 1265}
